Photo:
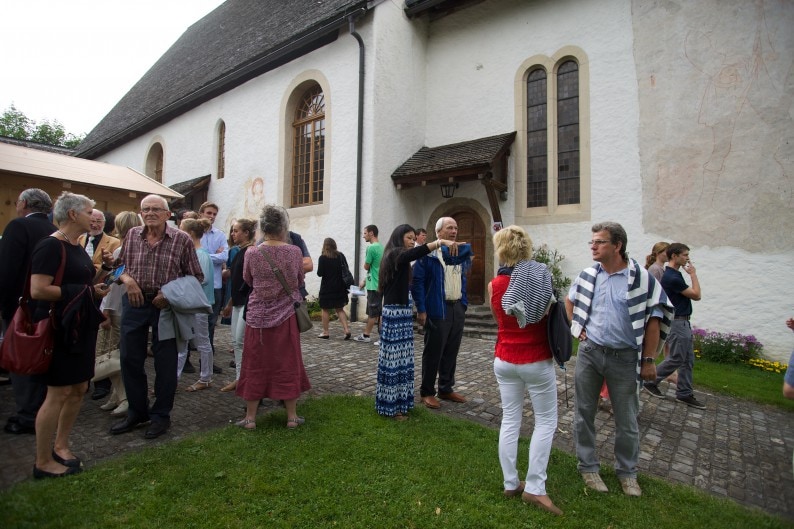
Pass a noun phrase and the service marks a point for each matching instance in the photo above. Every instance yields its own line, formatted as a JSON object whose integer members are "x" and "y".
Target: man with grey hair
{"x": 439, "y": 291}
{"x": 16, "y": 248}
{"x": 621, "y": 316}
{"x": 153, "y": 255}
{"x": 97, "y": 240}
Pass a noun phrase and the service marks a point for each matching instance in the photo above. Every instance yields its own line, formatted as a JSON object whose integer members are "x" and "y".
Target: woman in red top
{"x": 523, "y": 362}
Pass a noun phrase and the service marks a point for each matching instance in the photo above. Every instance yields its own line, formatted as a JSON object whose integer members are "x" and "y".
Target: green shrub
{"x": 552, "y": 258}
{"x": 726, "y": 348}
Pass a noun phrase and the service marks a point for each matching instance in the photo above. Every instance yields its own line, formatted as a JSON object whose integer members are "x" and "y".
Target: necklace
{"x": 65, "y": 237}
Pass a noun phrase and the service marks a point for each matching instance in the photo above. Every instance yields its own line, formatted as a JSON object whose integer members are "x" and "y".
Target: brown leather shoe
{"x": 454, "y": 397}
{"x": 511, "y": 493}
{"x": 431, "y": 402}
{"x": 543, "y": 502}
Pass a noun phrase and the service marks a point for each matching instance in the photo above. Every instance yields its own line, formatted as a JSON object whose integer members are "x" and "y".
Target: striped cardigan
{"x": 644, "y": 293}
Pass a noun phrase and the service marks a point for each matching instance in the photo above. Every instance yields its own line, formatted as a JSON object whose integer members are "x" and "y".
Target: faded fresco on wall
{"x": 251, "y": 206}
{"x": 716, "y": 87}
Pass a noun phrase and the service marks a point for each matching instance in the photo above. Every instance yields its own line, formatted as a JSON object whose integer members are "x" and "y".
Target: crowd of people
{"x": 157, "y": 287}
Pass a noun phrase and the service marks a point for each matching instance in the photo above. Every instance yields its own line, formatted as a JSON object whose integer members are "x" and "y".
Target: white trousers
{"x": 201, "y": 338}
{"x": 238, "y": 332}
{"x": 515, "y": 380}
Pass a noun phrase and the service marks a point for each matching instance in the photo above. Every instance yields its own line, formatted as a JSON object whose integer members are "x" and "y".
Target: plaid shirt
{"x": 152, "y": 267}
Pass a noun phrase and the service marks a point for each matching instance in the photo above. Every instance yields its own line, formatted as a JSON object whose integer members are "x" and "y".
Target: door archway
{"x": 471, "y": 229}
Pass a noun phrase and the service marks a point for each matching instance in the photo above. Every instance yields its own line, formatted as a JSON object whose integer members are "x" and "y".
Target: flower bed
{"x": 733, "y": 348}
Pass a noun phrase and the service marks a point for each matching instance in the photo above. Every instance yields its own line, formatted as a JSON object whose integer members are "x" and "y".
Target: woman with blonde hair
{"x": 108, "y": 341}
{"x": 196, "y": 228}
{"x": 523, "y": 363}
{"x": 333, "y": 291}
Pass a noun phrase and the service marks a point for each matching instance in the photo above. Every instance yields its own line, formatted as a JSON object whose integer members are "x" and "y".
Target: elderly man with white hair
{"x": 439, "y": 291}
{"x": 153, "y": 254}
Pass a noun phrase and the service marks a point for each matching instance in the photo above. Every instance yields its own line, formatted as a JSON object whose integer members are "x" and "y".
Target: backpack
{"x": 558, "y": 328}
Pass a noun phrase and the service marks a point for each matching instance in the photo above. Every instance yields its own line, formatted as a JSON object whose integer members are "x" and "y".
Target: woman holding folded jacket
{"x": 77, "y": 320}
{"x": 519, "y": 297}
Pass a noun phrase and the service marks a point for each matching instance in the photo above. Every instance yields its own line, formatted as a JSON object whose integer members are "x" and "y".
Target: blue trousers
{"x": 135, "y": 325}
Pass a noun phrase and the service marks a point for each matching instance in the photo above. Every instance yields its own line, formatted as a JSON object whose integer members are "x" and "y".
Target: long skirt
{"x": 272, "y": 363}
{"x": 394, "y": 392}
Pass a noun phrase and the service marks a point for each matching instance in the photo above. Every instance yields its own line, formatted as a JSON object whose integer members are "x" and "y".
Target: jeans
{"x": 216, "y": 311}
{"x": 440, "y": 356}
{"x": 238, "y": 332}
{"x": 514, "y": 381}
{"x": 681, "y": 357}
{"x": 202, "y": 340}
{"x": 618, "y": 367}
{"x": 135, "y": 325}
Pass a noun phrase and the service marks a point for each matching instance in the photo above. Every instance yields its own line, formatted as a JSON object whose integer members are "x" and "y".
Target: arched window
{"x": 568, "y": 133}
{"x": 308, "y": 148}
{"x": 537, "y": 143}
{"x": 221, "y": 150}
{"x": 154, "y": 162}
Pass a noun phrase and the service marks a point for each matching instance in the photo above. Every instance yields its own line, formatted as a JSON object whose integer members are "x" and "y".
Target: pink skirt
{"x": 272, "y": 366}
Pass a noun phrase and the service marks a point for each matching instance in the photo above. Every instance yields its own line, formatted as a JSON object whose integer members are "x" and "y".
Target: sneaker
{"x": 362, "y": 338}
{"x": 692, "y": 402}
{"x": 594, "y": 481}
{"x": 653, "y": 389}
{"x": 376, "y": 343}
{"x": 630, "y": 487}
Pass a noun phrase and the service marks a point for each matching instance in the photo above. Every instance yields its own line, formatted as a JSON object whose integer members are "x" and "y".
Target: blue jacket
{"x": 427, "y": 287}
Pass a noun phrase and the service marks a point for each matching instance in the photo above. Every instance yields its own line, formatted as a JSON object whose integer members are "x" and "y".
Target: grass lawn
{"x": 743, "y": 381}
{"x": 348, "y": 468}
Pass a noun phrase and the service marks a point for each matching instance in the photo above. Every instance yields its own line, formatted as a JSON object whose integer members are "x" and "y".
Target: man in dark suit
{"x": 16, "y": 248}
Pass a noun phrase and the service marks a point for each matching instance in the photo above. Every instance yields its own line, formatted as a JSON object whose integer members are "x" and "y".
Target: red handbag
{"x": 27, "y": 346}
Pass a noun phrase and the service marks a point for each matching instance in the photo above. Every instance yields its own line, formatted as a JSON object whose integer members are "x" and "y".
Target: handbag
{"x": 27, "y": 347}
{"x": 347, "y": 277}
{"x": 301, "y": 308}
{"x": 558, "y": 329}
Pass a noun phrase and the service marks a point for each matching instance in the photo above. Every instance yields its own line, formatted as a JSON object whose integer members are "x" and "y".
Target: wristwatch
{"x": 648, "y": 360}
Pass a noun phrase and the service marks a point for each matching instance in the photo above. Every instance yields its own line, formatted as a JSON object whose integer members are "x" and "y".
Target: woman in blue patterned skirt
{"x": 394, "y": 393}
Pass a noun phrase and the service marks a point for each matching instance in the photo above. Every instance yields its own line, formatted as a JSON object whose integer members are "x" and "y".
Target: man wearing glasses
{"x": 621, "y": 316}
{"x": 153, "y": 254}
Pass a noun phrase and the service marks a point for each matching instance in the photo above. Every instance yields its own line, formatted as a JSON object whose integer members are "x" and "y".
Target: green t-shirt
{"x": 372, "y": 258}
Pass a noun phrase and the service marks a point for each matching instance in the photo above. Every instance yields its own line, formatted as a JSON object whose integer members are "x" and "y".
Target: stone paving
{"x": 733, "y": 449}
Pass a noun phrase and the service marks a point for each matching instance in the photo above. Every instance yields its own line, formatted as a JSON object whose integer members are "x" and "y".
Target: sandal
{"x": 199, "y": 385}
{"x": 295, "y": 422}
{"x": 246, "y": 424}
{"x": 231, "y": 386}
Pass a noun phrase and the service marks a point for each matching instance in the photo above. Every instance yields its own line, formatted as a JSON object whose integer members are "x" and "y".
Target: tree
{"x": 15, "y": 124}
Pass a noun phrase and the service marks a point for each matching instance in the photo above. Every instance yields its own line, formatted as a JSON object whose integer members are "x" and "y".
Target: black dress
{"x": 333, "y": 292}
{"x": 72, "y": 363}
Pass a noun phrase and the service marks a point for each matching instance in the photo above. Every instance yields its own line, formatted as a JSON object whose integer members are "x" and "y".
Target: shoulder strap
{"x": 276, "y": 271}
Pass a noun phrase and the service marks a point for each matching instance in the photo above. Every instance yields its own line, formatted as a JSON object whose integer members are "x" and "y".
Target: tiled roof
{"x": 236, "y": 42}
{"x": 460, "y": 157}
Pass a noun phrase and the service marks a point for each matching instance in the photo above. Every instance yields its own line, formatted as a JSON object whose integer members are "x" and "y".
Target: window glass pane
{"x": 308, "y": 168}
{"x": 568, "y": 133}
{"x": 537, "y": 140}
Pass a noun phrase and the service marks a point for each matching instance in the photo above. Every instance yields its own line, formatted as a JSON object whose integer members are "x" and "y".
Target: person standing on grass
{"x": 682, "y": 349}
{"x": 621, "y": 316}
{"x": 372, "y": 266}
{"x": 523, "y": 363}
{"x": 394, "y": 392}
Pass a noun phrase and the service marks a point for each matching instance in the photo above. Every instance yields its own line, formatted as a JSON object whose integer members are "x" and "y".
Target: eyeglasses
{"x": 597, "y": 242}
{"x": 152, "y": 210}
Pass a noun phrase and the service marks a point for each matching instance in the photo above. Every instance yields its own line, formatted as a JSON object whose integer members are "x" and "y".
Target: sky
{"x": 72, "y": 61}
